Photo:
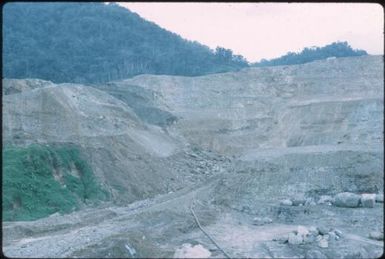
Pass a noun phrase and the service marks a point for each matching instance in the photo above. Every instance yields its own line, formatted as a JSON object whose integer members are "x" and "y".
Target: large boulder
{"x": 189, "y": 251}
{"x": 347, "y": 199}
{"x": 368, "y": 200}
{"x": 323, "y": 243}
{"x": 286, "y": 202}
{"x": 295, "y": 239}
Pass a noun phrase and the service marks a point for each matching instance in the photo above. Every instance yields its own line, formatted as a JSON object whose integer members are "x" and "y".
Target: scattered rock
{"x": 325, "y": 199}
{"x": 286, "y": 202}
{"x": 261, "y": 221}
{"x": 376, "y": 235}
{"x": 314, "y": 254}
{"x": 380, "y": 198}
{"x": 189, "y": 251}
{"x": 338, "y": 232}
{"x": 347, "y": 200}
{"x": 368, "y": 200}
{"x": 295, "y": 239}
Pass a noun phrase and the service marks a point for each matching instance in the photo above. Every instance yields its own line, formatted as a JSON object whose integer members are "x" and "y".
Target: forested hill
{"x": 96, "y": 42}
{"x": 335, "y": 49}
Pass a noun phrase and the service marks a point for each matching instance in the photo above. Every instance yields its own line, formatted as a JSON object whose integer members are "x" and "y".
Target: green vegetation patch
{"x": 39, "y": 180}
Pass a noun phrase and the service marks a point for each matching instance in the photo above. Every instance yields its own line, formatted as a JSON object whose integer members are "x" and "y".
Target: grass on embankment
{"x": 40, "y": 180}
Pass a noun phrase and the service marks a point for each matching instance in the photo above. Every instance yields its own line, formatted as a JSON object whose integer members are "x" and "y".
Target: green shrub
{"x": 30, "y": 190}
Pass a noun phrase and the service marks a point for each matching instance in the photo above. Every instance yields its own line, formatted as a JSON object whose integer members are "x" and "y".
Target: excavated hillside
{"x": 221, "y": 149}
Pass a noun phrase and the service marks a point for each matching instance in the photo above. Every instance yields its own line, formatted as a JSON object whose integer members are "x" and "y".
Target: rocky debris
{"x": 325, "y": 199}
{"x": 262, "y": 221}
{"x": 347, "y": 200}
{"x": 313, "y": 231}
{"x": 377, "y": 235}
{"x": 310, "y": 238}
{"x": 281, "y": 239}
{"x": 368, "y": 200}
{"x": 303, "y": 231}
{"x": 286, "y": 202}
{"x": 380, "y": 198}
{"x": 315, "y": 254}
{"x": 338, "y": 233}
{"x": 303, "y": 235}
{"x": 310, "y": 202}
{"x": 189, "y": 251}
{"x": 298, "y": 201}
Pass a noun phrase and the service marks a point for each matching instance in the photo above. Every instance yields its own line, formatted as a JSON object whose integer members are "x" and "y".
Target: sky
{"x": 269, "y": 30}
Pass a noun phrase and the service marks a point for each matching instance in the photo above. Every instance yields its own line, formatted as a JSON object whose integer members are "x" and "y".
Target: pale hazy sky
{"x": 268, "y": 30}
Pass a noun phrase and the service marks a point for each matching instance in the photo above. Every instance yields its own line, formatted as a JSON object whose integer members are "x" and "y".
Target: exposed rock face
{"x": 304, "y": 126}
{"x": 133, "y": 159}
{"x": 315, "y": 127}
{"x": 247, "y": 140}
{"x": 318, "y": 103}
{"x": 142, "y": 101}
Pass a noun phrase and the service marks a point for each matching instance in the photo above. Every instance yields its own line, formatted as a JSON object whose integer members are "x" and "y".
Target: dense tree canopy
{"x": 336, "y": 49}
{"x": 96, "y": 42}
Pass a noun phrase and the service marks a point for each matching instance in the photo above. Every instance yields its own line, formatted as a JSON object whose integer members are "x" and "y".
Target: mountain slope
{"x": 95, "y": 42}
{"x": 333, "y": 50}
